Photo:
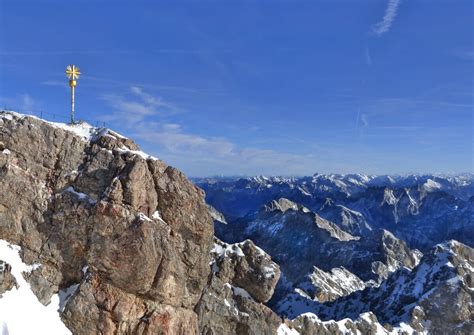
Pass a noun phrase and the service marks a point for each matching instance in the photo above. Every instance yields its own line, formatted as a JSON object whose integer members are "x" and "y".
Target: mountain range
{"x": 349, "y": 244}
{"x": 98, "y": 237}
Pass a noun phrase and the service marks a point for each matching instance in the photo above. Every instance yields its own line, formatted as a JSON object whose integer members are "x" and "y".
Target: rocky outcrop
{"x": 75, "y": 197}
{"x": 283, "y": 205}
{"x": 7, "y": 280}
{"x": 216, "y": 215}
{"x": 243, "y": 278}
{"x": 328, "y": 286}
{"x": 435, "y": 297}
{"x": 348, "y": 220}
{"x": 366, "y": 323}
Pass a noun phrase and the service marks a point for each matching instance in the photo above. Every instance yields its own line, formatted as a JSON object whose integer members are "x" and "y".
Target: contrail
{"x": 383, "y": 26}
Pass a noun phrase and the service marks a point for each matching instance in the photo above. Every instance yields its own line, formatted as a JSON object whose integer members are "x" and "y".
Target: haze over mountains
{"x": 421, "y": 209}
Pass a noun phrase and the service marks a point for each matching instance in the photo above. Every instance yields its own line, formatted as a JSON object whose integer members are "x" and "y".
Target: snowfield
{"x": 20, "y": 311}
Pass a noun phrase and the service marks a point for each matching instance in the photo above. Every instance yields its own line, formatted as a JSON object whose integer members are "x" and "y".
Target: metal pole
{"x": 72, "y": 72}
{"x": 72, "y": 103}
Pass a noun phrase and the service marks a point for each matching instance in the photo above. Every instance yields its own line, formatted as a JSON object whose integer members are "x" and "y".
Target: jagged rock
{"x": 436, "y": 296}
{"x": 348, "y": 220}
{"x": 84, "y": 196}
{"x": 366, "y": 323}
{"x": 216, "y": 215}
{"x": 242, "y": 277}
{"x": 328, "y": 286}
{"x": 246, "y": 266}
{"x": 283, "y": 205}
{"x": 7, "y": 280}
{"x": 98, "y": 307}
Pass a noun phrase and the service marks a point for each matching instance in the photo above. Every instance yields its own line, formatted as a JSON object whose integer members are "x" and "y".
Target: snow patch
{"x": 285, "y": 330}
{"x": 227, "y": 249}
{"x": 431, "y": 185}
{"x": 84, "y": 130}
{"x": 20, "y": 310}
{"x": 145, "y": 156}
{"x": 81, "y": 196}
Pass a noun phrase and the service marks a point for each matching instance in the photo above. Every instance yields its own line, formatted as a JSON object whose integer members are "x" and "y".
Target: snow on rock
{"x": 216, "y": 215}
{"x": 246, "y": 267}
{"x": 145, "y": 156}
{"x": 157, "y": 216}
{"x": 366, "y": 323}
{"x": 337, "y": 283}
{"x": 431, "y": 185}
{"x": 285, "y": 330}
{"x": 20, "y": 310}
{"x": 221, "y": 249}
{"x": 389, "y": 198}
{"x": 82, "y": 129}
{"x": 436, "y": 294}
{"x": 65, "y": 295}
{"x": 81, "y": 196}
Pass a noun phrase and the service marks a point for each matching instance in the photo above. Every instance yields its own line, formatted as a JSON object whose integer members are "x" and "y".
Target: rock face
{"x": 328, "y": 286}
{"x": 366, "y": 323}
{"x": 349, "y": 220}
{"x": 243, "y": 278}
{"x": 75, "y": 197}
{"x": 435, "y": 297}
{"x": 7, "y": 280}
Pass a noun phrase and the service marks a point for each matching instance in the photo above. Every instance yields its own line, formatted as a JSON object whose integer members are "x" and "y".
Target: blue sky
{"x": 256, "y": 87}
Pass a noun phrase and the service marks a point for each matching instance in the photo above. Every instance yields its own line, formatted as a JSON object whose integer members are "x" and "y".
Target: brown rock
{"x": 71, "y": 202}
{"x": 7, "y": 281}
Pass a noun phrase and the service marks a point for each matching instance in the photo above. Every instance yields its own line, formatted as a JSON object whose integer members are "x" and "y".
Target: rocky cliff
{"x": 122, "y": 239}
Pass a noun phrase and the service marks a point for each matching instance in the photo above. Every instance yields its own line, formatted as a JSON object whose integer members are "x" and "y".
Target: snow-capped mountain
{"x": 300, "y": 240}
{"x": 434, "y": 297}
{"x": 340, "y": 244}
{"x": 423, "y": 210}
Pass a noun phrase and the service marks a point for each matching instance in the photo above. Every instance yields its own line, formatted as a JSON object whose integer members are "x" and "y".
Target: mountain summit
{"x": 111, "y": 240}
{"x": 98, "y": 237}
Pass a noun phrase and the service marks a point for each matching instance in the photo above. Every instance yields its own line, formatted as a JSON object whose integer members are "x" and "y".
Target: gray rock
{"x": 139, "y": 225}
{"x": 242, "y": 277}
{"x": 7, "y": 280}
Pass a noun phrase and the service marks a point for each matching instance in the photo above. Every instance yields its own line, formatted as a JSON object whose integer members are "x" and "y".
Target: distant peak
{"x": 283, "y": 205}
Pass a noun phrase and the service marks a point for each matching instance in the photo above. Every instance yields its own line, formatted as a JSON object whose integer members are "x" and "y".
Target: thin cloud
{"x": 391, "y": 11}
{"x": 368, "y": 58}
{"x": 63, "y": 52}
{"x": 23, "y": 103}
{"x": 406, "y": 100}
{"x": 55, "y": 83}
{"x": 142, "y": 115}
{"x": 135, "y": 106}
{"x": 154, "y": 87}
{"x": 464, "y": 54}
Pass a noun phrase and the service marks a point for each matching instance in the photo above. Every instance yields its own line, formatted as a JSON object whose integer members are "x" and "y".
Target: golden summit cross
{"x": 72, "y": 72}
